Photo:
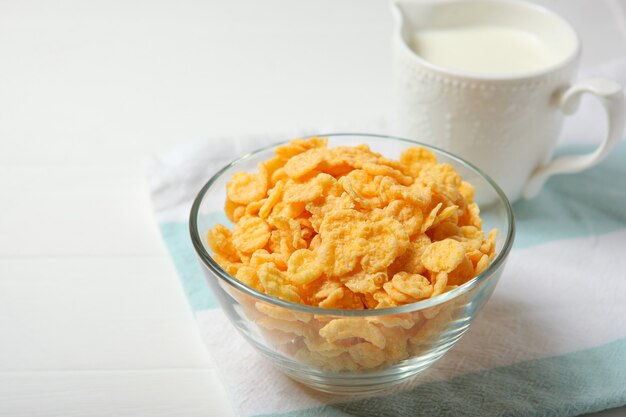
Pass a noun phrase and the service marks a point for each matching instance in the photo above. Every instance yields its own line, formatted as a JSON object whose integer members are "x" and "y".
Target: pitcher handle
{"x": 611, "y": 96}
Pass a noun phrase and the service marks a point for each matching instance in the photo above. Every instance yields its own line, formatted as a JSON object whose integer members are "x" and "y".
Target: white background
{"x": 93, "y": 321}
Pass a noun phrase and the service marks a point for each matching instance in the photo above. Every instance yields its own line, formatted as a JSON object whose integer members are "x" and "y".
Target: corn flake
{"x": 220, "y": 241}
{"x": 348, "y": 328}
{"x": 303, "y": 267}
{"x": 245, "y": 188}
{"x": 303, "y": 163}
{"x": 250, "y": 233}
{"x": 444, "y": 255}
{"x": 275, "y": 283}
{"x": 414, "y": 285}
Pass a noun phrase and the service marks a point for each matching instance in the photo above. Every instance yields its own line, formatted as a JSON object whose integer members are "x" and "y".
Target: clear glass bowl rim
{"x": 213, "y": 266}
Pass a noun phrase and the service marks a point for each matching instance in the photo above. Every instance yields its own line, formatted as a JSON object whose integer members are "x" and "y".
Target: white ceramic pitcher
{"x": 507, "y": 124}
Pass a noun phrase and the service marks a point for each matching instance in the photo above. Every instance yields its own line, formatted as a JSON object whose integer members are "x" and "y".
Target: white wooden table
{"x": 93, "y": 321}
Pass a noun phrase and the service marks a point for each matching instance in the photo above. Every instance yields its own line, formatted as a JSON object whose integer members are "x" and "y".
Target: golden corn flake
{"x": 249, "y": 276}
{"x": 298, "y": 146}
{"x": 245, "y": 188}
{"x": 303, "y": 267}
{"x": 342, "y": 242}
{"x": 291, "y": 210}
{"x": 393, "y": 321}
{"x": 329, "y": 293}
{"x": 220, "y": 241}
{"x": 445, "y": 230}
{"x": 383, "y": 299}
{"x": 304, "y": 163}
{"x": 397, "y": 296}
{"x": 441, "y": 281}
{"x": 415, "y": 159}
{"x": 315, "y": 343}
{"x": 411, "y": 260}
{"x": 281, "y": 313}
{"x": 230, "y": 207}
{"x": 343, "y": 299}
{"x": 279, "y": 175}
{"x": 386, "y": 240}
{"x": 262, "y": 256}
{"x": 270, "y": 323}
{"x": 301, "y": 192}
{"x": 430, "y": 219}
{"x": 291, "y": 228}
{"x": 275, "y": 283}
{"x": 414, "y": 285}
{"x": 482, "y": 264}
{"x": 375, "y": 169}
{"x": 444, "y": 255}
{"x": 407, "y": 213}
{"x": 348, "y": 186}
{"x": 462, "y": 273}
{"x": 347, "y": 228}
{"x": 274, "y": 196}
{"x": 489, "y": 245}
{"x": 343, "y": 157}
{"x": 366, "y": 283}
{"x": 255, "y": 206}
{"x": 250, "y": 233}
{"x": 349, "y": 328}
{"x": 367, "y": 355}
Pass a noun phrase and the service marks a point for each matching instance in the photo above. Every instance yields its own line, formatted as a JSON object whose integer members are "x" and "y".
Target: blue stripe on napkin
{"x": 589, "y": 203}
{"x": 582, "y": 382}
{"x": 178, "y": 242}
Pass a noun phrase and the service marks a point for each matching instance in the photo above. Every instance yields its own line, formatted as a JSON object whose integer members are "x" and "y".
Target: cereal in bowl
{"x": 347, "y": 228}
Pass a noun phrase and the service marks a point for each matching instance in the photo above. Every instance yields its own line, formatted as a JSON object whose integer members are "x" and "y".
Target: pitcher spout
{"x": 410, "y": 15}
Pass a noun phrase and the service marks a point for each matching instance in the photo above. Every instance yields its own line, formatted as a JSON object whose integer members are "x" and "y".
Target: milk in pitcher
{"x": 483, "y": 49}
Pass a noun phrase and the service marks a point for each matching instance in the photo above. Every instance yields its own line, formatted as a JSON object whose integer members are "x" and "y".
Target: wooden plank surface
{"x": 95, "y": 313}
{"x": 154, "y": 393}
{"x": 93, "y": 321}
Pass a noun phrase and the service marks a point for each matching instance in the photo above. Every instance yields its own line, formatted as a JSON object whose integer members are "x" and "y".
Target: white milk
{"x": 483, "y": 49}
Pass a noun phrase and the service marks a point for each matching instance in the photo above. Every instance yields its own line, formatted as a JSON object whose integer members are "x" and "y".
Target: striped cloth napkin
{"x": 550, "y": 341}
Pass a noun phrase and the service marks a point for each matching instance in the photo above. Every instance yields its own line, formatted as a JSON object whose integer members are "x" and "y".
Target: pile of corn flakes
{"x": 346, "y": 228}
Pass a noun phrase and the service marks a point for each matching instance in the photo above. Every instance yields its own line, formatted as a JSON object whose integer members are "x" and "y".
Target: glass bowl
{"x": 351, "y": 351}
